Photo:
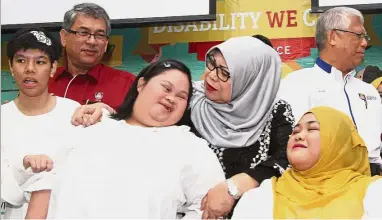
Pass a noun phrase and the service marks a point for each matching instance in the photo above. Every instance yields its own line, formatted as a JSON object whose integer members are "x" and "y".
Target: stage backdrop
{"x": 288, "y": 24}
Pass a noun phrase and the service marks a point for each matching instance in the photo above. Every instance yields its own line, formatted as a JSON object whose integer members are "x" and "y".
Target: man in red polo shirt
{"x": 84, "y": 36}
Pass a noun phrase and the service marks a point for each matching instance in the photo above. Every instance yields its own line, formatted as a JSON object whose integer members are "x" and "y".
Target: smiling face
{"x": 83, "y": 51}
{"x": 304, "y": 144}
{"x": 217, "y": 87}
{"x": 350, "y": 47}
{"x": 31, "y": 70}
{"x": 162, "y": 100}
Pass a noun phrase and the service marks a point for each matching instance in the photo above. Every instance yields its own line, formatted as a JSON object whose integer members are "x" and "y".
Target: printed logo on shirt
{"x": 363, "y": 98}
{"x": 369, "y": 97}
{"x": 98, "y": 96}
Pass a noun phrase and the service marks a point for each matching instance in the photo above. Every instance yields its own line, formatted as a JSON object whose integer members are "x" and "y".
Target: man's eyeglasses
{"x": 221, "y": 71}
{"x": 359, "y": 35}
{"x": 85, "y": 34}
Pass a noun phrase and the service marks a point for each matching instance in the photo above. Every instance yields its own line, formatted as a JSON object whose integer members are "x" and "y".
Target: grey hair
{"x": 335, "y": 18}
{"x": 88, "y": 9}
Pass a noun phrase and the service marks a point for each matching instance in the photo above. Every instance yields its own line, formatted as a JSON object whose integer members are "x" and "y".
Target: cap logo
{"x": 41, "y": 37}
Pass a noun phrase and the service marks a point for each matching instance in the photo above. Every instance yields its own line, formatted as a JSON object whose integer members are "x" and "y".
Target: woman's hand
{"x": 87, "y": 115}
{"x": 217, "y": 203}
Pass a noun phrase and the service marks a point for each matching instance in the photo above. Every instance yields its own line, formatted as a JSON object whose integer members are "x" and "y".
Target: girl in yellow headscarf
{"x": 329, "y": 178}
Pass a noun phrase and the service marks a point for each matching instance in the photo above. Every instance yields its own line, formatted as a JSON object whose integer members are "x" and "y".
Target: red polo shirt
{"x": 101, "y": 84}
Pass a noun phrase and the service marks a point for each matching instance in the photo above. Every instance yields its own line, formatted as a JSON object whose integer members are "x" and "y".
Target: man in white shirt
{"x": 34, "y": 123}
{"x": 341, "y": 40}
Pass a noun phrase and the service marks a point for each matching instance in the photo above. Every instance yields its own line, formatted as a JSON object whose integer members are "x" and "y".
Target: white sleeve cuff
{"x": 39, "y": 181}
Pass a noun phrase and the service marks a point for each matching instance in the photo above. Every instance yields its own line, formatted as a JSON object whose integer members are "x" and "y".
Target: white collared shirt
{"x": 311, "y": 87}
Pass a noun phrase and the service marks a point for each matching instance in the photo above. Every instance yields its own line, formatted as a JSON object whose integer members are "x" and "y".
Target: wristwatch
{"x": 232, "y": 189}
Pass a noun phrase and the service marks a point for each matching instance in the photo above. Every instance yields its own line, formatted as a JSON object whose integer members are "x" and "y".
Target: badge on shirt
{"x": 98, "y": 96}
{"x": 363, "y": 97}
{"x": 371, "y": 98}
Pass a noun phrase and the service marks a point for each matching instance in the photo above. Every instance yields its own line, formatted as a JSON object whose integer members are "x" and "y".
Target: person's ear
{"x": 63, "y": 34}
{"x": 105, "y": 49}
{"x": 53, "y": 69}
{"x": 11, "y": 68}
{"x": 332, "y": 37}
{"x": 141, "y": 84}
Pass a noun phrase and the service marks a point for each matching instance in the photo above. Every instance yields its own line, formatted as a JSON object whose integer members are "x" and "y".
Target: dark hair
{"x": 214, "y": 51}
{"x": 88, "y": 9}
{"x": 34, "y": 38}
{"x": 264, "y": 39}
{"x": 150, "y": 71}
{"x": 371, "y": 73}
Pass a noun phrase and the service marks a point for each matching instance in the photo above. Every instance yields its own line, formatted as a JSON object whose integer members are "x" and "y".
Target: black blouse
{"x": 266, "y": 157}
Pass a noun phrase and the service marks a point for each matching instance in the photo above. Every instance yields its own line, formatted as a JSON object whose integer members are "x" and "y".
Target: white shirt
{"x": 123, "y": 171}
{"x": 23, "y": 135}
{"x": 258, "y": 203}
{"x": 311, "y": 87}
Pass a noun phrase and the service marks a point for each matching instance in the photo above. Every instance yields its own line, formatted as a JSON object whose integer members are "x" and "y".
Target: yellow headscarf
{"x": 336, "y": 185}
{"x": 377, "y": 82}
